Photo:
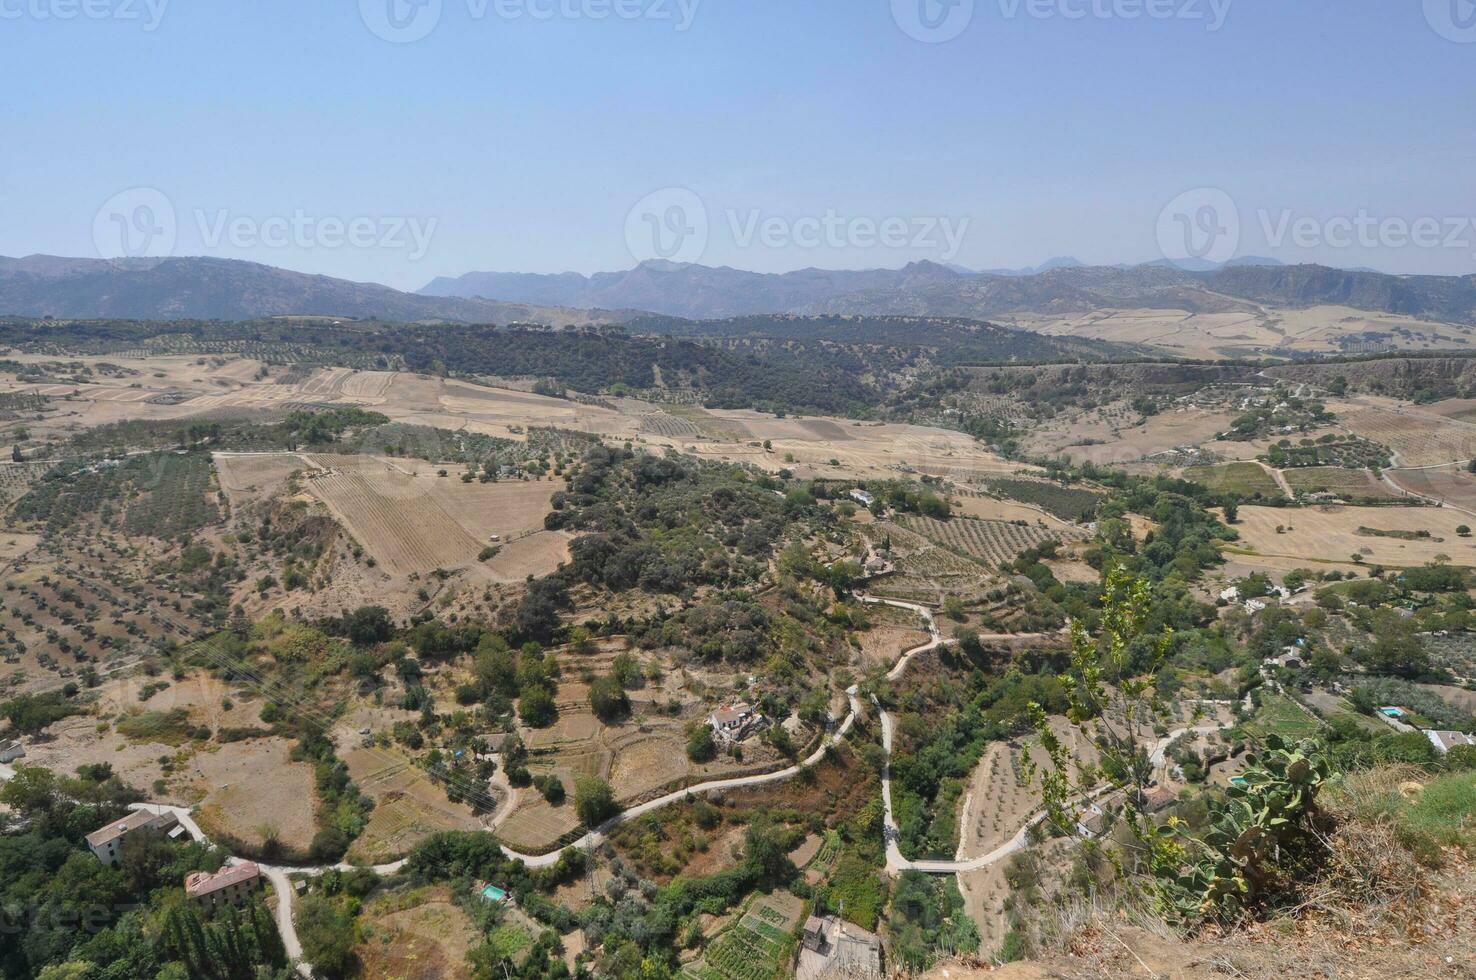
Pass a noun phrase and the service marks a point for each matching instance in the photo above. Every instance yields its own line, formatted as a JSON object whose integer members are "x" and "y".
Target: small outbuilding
{"x": 833, "y": 947}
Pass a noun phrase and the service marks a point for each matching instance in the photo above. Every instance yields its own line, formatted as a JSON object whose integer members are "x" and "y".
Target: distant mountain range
{"x": 1063, "y": 287}
{"x": 224, "y": 289}
{"x": 227, "y": 289}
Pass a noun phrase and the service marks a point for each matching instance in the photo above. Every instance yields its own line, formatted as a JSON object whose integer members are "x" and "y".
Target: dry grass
{"x": 1331, "y": 533}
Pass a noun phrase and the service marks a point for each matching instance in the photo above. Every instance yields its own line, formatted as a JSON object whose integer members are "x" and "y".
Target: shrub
{"x": 608, "y": 699}
{"x": 701, "y": 747}
{"x": 536, "y": 707}
{"x": 594, "y": 801}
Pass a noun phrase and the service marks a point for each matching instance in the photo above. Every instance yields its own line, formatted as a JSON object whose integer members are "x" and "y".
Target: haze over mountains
{"x": 931, "y": 289}
{"x": 227, "y": 289}
{"x": 224, "y": 289}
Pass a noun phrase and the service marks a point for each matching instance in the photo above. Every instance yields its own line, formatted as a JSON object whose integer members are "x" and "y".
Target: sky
{"x": 399, "y": 140}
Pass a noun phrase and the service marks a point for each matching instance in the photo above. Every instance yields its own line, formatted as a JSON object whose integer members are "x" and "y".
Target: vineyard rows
{"x": 1067, "y": 503}
{"x": 407, "y": 533}
{"x": 669, "y": 426}
{"x": 993, "y": 542}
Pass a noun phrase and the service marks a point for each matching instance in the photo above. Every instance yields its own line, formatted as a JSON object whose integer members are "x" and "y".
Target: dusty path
{"x": 1280, "y": 479}
{"x": 896, "y": 862}
{"x": 282, "y": 885}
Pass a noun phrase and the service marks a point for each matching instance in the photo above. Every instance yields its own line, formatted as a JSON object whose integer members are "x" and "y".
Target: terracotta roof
{"x": 200, "y": 883}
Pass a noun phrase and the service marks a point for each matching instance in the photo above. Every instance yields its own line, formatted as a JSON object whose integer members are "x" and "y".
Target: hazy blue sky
{"x": 523, "y": 143}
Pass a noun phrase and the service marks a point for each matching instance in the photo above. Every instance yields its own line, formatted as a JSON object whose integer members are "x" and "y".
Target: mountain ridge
{"x": 231, "y": 289}
{"x": 930, "y": 289}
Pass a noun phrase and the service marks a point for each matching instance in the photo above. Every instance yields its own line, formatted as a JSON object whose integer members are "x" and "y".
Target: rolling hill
{"x": 225, "y": 289}
{"x": 931, "y": 289}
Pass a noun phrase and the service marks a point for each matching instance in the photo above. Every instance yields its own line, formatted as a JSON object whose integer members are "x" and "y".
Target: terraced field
{"x": 992, "y": 542}
{"x": 753, "y": 948}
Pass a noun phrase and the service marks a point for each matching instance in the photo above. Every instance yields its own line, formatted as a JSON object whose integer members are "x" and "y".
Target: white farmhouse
{"x": 1445, "y": 741}
{"x": 106, "y": 843}
{"x": 734, "y": 723}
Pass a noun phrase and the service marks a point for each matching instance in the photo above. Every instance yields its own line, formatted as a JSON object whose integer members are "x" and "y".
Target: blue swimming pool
{"x": 494, "y": 894}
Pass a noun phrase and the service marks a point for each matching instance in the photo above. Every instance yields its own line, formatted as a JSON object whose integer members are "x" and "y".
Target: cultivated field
{"x": 925, "y": 571}
{"x": 753, "y": 947}
{"x": 408, "y": 807}
{"x": 413, "y": 521}
{"x": 1244, "y": 328}
{"x": 1453, "y": 484}
{"x": 1245, "y": 479}
{"x": 1113, "y": 435}
{"x": 250, "y": 477}
{"x": 1316, "y": 535}
{"x": 1417, "y": 438}
{"x": 417, "y": 935}
{"x": 993, "y": 542}
{"x": 1349, "y": 484}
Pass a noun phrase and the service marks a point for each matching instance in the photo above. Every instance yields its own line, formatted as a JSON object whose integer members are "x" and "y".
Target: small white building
{"x": 106, "y": 843}
{"x": 1254, "y": 606}
{"x": 1231, "y": 594}
{"x": 232, "y": 885}
{"x": 10, "y": 750}
{"x": 862, "y": 497}
{"x": 1445, "y": 741}
{"x": 734, "y": 723}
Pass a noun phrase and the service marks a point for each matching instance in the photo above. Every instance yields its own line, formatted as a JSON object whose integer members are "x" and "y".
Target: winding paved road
{"x": 282, "y": 885}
